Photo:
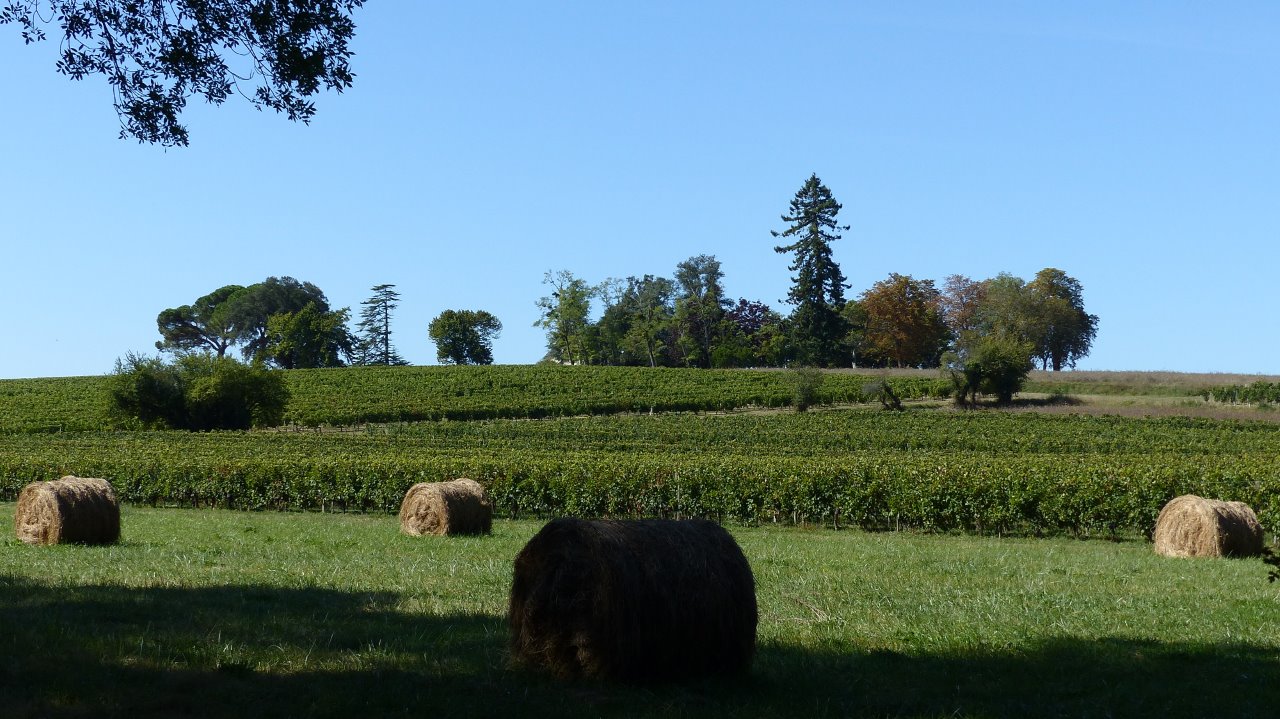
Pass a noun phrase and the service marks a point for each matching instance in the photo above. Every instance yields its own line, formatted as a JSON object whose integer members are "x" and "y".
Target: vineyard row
{"x": 928, "y": 490}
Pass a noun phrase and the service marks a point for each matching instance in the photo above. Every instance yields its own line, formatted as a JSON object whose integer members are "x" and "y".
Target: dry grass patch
{"x": 655, "y": 600}
{"x": 77, "y": 510}
{"x": 1191, "y": 526}
{"x": 441, "y": 508}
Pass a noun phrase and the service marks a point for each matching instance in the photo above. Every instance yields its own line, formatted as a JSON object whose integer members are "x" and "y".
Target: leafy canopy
{"x": 280, "y": 321}
{"x": 156, "y": 54}
{"x": 564, "y": 315}
{"x": 464, "y": 336}
{"x": 903, "y": 322}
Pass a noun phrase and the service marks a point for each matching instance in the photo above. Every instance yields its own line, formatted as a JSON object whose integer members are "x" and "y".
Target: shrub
{"x": 805, "y": 382}
{"x": 993, "y": 365}
{"x": 883, "y": 391}
{"x": 145, "y": 393}
{"x": 198, "y": 392}
{"x": 222, "y": 393}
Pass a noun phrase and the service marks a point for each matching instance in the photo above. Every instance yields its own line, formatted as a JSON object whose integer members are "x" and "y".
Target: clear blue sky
{"x": 1135, "y": 146}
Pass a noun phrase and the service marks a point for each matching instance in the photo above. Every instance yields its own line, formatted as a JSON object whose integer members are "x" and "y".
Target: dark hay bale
{"x": 77, "y": 510}
{"x": 1191, "y": 526}
{"x": 456, "y": 507}
{"x": 651, "y": 600}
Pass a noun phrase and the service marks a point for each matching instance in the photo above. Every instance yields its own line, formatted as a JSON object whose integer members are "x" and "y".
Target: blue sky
{"x": 1135, "y": 146}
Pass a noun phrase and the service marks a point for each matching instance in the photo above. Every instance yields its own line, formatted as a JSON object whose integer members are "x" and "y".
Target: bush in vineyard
{"x": 197, "y": 392}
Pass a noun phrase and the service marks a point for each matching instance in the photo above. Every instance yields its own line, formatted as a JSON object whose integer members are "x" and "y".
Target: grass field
{"x": 220, "y": 614}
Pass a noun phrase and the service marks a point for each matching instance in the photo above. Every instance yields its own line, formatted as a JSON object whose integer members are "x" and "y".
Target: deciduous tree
{"x": 565, "y": 316}
{"x": 960, "y": 302}
{"x": 638, "y": 322}
{"x": 700, "y": 307}
{"x": 1006, "y": 310}
{"x": 155, "y": 54}
{"x": 1066, "y": 331}
{"x": 904, "y": 322}
{"x": 995, "y": 364}
{"x": 308, "y": 338}
{"x": 464, "y": 336}
{"x": 252, "y": 309}
{"x": 758, "y": 338}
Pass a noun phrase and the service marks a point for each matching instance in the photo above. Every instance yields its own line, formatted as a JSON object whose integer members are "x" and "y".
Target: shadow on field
{"x": 235, "y": 651}
{"x": 1056, "y": 678}
{"x": 249, "y": 651}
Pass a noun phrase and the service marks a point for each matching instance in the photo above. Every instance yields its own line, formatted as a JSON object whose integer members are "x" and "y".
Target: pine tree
{"x": 818, "y": 329}
{"x": 375, "y": 328}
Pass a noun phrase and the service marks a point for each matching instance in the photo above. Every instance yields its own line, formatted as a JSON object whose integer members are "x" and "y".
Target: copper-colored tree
{"x": 904, "y": 322}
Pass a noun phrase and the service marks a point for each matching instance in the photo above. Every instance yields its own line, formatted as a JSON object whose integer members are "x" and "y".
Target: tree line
{"x": 985, "y": 334}
{"x": 284, "y": 323}
{"x": 686, "y": 320}
{"x": 689, "y": 321}
{"x": 277, "y": 323}
{"x": 287, "y": 324}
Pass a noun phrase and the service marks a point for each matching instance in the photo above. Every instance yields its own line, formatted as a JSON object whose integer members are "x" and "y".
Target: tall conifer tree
{"x": 818, "y": 329}
{"x": 375, "y": 327}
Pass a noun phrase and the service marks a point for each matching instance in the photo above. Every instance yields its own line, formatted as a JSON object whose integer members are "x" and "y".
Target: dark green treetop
{"x": 208, "y": 324}
{"x": 258, "y": 318}
{"x": 375, "y": 328}
{"x": 464, "y": 336}
{"x": 157, "y": 53}
{"x": 817, "y": 291}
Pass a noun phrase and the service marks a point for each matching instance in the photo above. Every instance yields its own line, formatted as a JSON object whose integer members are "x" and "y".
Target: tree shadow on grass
{"x": 1064, "y": 677}
{"x": 250, "y": 651}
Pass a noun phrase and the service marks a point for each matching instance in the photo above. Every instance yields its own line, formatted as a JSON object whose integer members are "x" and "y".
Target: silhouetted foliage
{"x": 156, "y": 54}
{"x": 375, "y": 328}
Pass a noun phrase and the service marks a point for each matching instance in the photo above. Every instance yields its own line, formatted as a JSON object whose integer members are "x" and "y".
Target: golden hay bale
{"x": 1191, "y": 526}
{"x": 456, "y": 507}
{"x": 76, "y": 510}
{"x": 647, "y": 600}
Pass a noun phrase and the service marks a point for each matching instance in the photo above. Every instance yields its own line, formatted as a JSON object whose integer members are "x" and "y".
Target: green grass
{"x": 217, "y": 613}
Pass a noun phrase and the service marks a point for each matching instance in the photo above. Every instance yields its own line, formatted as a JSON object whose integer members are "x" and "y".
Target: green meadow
{"x": 232, "y": 614}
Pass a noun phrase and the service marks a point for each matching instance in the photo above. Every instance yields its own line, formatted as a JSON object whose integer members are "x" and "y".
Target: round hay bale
{"x": 456, "y": 507}
{"x": 638, "y": 601}
{"x": 1191, "y": 526}
{"x": 79, "y": 510}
